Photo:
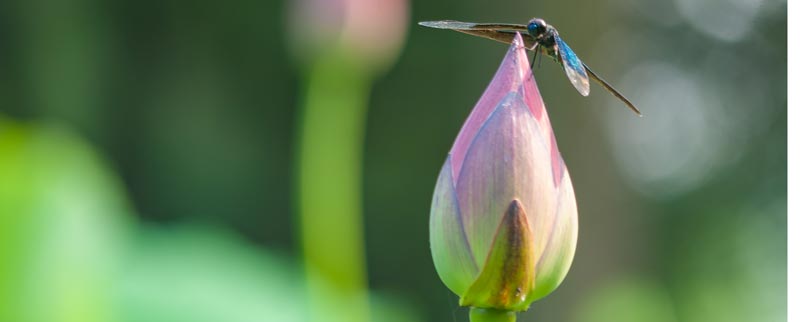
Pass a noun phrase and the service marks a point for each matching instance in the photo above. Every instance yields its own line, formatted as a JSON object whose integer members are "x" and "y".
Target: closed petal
{"x": 556, "y": 259}
{"x": 544, "y": 133}
{"x": 509, "y": 159}
{"x": 513, "y": 71}
{"x": 451, "y": 250}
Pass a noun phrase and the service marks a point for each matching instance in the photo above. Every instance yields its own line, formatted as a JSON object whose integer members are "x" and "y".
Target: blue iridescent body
{"x": 547, "y": 37}
{"x": 541, "y": 38}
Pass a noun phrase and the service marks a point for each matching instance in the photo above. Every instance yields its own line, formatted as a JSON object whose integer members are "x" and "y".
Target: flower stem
{"x": 331, "y": 135}
{"x": 491, "y": 315}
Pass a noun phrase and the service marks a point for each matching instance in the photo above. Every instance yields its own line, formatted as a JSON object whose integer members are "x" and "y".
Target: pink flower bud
{"x": 504, "y": 222}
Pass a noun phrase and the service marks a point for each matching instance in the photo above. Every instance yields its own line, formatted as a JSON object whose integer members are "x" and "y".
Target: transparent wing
{"x": 495, "y": 31}
{"x": 573, "y": 67}
{"x": 459, "y": 25}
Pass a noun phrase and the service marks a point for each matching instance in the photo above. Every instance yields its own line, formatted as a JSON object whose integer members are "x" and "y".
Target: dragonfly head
{"x": 537, "y": 28}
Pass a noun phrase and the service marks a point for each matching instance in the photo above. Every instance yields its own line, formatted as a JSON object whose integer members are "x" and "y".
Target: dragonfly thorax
{"x": 542, "y": 32}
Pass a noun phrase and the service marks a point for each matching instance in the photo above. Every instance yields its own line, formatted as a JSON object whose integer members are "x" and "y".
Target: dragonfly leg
{"x": 540, "y": 64}
{"x": 535, "y": 49}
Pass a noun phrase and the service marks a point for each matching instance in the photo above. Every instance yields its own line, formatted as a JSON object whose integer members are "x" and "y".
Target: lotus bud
{"x": 504, "y": 222}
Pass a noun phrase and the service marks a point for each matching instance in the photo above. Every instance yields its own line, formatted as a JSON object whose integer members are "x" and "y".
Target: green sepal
{"x": 507, "y": 277}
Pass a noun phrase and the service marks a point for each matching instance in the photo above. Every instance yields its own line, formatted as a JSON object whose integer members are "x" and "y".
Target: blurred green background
{"x": 152, "y": 157}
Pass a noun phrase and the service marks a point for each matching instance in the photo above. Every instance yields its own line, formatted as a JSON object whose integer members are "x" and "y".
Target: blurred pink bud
{"x": 504, "y": 221}
{"x": 366, "y": 29}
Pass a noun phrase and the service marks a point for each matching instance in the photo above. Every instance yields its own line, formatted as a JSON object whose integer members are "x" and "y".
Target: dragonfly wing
{"x": 501, "y": 36}
{"x": 498, "y": 32}
{"x": 459, "y": 25}
{"x": 573, "y": 67}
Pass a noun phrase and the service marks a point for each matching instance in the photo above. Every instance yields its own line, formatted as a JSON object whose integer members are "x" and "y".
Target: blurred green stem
{"x": 329, "y": 181}
{"x": 491, "y": 315}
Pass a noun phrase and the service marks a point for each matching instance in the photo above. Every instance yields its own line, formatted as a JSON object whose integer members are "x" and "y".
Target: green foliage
{"x": 63, "y": 226}
{"x": 204, "y": 274}
{"x": 70, "y": 250}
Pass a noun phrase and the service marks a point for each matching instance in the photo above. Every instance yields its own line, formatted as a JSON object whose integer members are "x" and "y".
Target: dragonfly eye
{"x": 537, "y": 28}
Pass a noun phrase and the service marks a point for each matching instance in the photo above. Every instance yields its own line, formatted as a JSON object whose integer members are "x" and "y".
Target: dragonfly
{"x": 539, "y": 37}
